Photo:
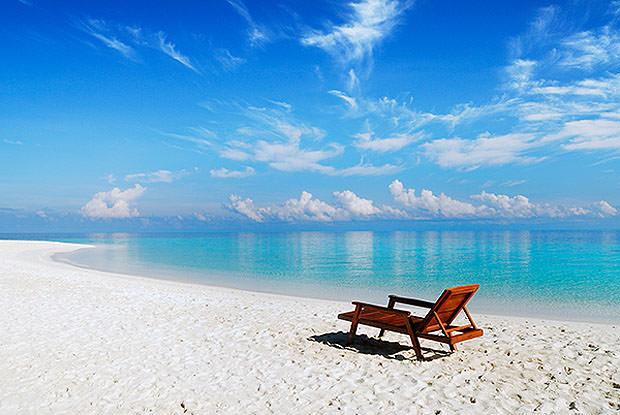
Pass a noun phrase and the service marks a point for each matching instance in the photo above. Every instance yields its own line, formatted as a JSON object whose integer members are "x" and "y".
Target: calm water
{"x": 563, "y": 274}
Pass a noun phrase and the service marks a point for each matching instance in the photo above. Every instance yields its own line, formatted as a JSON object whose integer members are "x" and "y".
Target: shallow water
{"x": 565, "y": 274}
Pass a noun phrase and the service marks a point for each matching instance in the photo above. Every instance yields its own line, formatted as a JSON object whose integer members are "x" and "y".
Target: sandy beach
{"x": 83, "y": 341}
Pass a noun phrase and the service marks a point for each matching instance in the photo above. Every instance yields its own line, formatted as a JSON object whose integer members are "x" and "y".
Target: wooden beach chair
{"x": 436, "y": 325}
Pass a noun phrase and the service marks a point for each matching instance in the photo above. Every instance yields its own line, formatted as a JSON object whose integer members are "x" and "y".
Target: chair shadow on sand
{"x": 374, "y": 346}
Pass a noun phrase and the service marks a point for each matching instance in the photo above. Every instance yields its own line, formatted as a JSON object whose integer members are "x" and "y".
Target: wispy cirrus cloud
{"x": 158, "y": 176}
{"x": 100, "y": 30}
{"x": 171, "y": 50}
{"x": 127, "y": 40}
{"x": 395, "y": 142}
{"x": 561, "y": 92}
{"x": 224, "y": 173}
{"x": 276, "y": 138}
{"x": 257, "y": 34}
{"x": 588, "y": 49}
{"x": 346, "y": 98}
{"x": 228, "y": 61}
{"x": 366, "y": 25}
{"x": 485, "y": 150}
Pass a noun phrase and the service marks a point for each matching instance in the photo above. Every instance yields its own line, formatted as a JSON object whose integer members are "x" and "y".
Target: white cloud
{"x": 12, "y": 142}
{"x": 115, "y": 203}
{"x": 604, "y": 209}
{"x": 291, "y": 157}
{"x": 159, "y": 176}
{"x": 366, "y": 141}
{"x": 356, "y": 205}
{"x": 520, "y": 73}
{"x": 308, "y": 208}
{"x": 353, "y": 82}
{"x": 512, "y": 206}
{"x": 369, "y": 22}
{"x": 257, "y": 34}
{"x": 110, "y": 178}
{"x": 99, "y": 30}
{"x": 485, "y": 150}
{"x": 170, "y": 49}
{"x": 235, "y": 154}
{"x": 245, "y": 207}
{"x": 199, "y": 139}
{"x": 366, "y": 170}
{"x": 426, "y": 205}
{"x": 434, "y": 205}
{"x": 224, "y": 173}
{"x": 585, "y": 50}
{"x": 227, "y": 60}
{"x": 349, "y": 100}
{"x": 520, "y": 206}
{"x": 490, "y": 205}
{"x": 598, "y": 134}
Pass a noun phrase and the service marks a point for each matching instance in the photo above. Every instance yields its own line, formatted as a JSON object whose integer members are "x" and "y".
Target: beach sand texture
{"x": 81, "y": 341}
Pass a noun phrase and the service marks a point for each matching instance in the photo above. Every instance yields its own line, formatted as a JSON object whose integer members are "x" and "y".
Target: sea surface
{"x": 571, "y": 275}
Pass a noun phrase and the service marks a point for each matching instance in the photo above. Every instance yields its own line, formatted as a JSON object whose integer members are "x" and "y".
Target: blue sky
{"x": 289, "y": 112}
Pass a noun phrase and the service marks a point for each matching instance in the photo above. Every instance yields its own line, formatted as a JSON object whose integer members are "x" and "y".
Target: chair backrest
{"x": 447, "y": 307}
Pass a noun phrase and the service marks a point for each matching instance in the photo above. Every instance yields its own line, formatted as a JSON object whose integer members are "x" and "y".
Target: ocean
{"x": 571, "y": 275}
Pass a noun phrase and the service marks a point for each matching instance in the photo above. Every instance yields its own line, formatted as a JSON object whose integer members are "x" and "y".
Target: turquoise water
{"x": 566, "y": 274}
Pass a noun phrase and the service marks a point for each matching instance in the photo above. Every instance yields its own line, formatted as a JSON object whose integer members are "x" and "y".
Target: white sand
{"x": 79, "y": 341}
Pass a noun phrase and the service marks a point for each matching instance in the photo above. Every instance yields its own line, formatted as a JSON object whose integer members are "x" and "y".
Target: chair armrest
{"x": 382, "y": 308}
{"x": 411, "y": 301}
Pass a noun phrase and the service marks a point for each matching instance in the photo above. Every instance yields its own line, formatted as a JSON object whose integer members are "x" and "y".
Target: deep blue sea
{"x": 554, "y": 274}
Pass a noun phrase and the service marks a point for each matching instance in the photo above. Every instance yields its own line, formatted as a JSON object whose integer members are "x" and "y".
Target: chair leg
{"x": 391, "y": 304}
{"x": 416, "y": 347}
{"x": 354, "y": 324}
{"x": 453, "y": 348}
{"x": 414, "y": 340}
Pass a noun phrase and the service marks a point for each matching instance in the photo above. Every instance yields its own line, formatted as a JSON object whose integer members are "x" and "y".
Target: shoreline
{"x": 174, "y": 278}
{"x": 107, "y": 342}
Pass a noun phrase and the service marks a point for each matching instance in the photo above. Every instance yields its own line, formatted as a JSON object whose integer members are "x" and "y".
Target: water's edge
{"x": 293, "y": 290}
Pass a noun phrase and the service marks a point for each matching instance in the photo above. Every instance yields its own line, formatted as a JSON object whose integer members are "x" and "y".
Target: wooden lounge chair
{"x": 436, "y": 325}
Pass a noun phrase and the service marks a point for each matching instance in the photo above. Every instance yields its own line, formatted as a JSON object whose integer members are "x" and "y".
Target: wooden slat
{"x": 451, "y": 302}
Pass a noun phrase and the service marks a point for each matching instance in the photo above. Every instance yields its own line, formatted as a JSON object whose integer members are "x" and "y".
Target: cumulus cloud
{"x": 115, "y": 203}
{"x": 603, "y": 209}
{"x": 489, "y": 206}
{"x": 224, "y": 173}
{"x": 434, "y": 205}
{"x": 356, "y": 205}
{"x": 369, "y": 22}
{"x": 308, "y": 208}
{"x": 511, "y": 206}
{"x": 425, "y": 205}
{"x": 245, "y": 207}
